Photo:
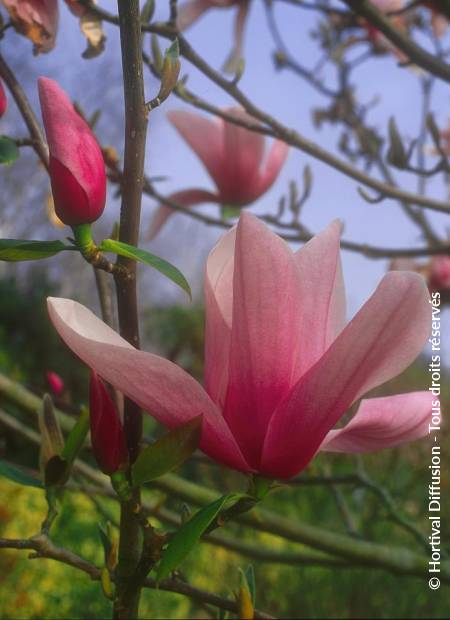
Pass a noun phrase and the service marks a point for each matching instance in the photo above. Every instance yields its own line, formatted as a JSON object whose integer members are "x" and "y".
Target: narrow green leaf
{"x": 190, "y": 533}
{"x": 250, "y": 577}
{"x": 9, "y": 151}
{"x": 142, "y": 256}
{"x": 76, "y": 437}
{"x": 104, "y": 537}
{"x": 168, "y": 452}
{"x": 17, "y": 475}
{"x": 19, "y": 249}
{"x": 147, "y": 11}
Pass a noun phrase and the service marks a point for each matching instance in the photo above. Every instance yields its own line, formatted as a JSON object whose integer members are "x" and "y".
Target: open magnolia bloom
{"x": 281, "y": 367}
{"x": 232, "y": 155}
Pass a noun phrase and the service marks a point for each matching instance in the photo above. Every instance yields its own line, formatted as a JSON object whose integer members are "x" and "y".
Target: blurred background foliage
{"x": 43, "y": 588}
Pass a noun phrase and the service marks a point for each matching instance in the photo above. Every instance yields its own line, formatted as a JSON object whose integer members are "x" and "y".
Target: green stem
{"x": 84, "y": 240}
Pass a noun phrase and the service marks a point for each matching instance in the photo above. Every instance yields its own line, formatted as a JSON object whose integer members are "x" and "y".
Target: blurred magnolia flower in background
{"x": 55, "y": 383}
{"x": 281, "y": 365}
{"x": 189, "y": 12}
{"x": 35, "y": 19}
{"x": 377, "y": 38}
{"x": 440, "y": 12}
{"x": 38, "y": 21}
{"x": 436, "y": 272}
{"x": 233, "y": 156}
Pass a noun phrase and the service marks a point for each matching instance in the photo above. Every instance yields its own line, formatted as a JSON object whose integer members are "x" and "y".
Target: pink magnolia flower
{"x": 55, "y": 383}
{"x": 35, "y": 19}
{"x": 189, "y": 12}
{"x": 281, "y": 367}
{"x": 436, "y": 272}
{"x": 107, "y": 434}
{"x": 439, "y": 21}
{"x": 77, "y": 169}
{"x": 445, "y": 139}
{"x": 440, "y": 273}
{"x": 378, "y": 39}
{"x": 232, "y": 155}
{"x": 3, "y": 100}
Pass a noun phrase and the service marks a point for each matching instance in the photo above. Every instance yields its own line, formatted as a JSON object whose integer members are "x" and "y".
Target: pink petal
{"x": 189, "y": 12}
{"x": 219, "y": 310}
{"x": 265, "y": 330}
{"x": 439, "y": 278}
{"x": 3, "y": 100}
{"x": 232, "y": 63}
{"x": 186, "y": 198}
{"x": 323, "y": 313}
{"x": 205, "y": 138}
{"x": 243, "y": 152}
{"x": 439, "y": 24}
{"x": 384, "y": 423}
{"x": 384, "y": 337}
{"x": 275, "y": 161}
{"x": 107, "y": 434}
{"x": 155, "y": 384}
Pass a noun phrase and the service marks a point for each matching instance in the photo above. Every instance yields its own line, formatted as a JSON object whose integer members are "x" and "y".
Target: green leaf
{"x": 147, "y": 11}
{"x": 142, "y": 256}
{"x": 17, "y": 475}
{"x": 9, "y": 151}
{"x": 76, "y": 437}
{"x": 189, "y": 534}
{"x": 168, "y": 452}
{"x": 19, "y": 249}
{"x": 104, "y": 537}
{"x": 250, "y": 577}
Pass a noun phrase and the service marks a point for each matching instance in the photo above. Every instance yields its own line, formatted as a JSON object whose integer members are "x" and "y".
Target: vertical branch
{"x": 126, "y": 604}
{"x": 135, "y": 138}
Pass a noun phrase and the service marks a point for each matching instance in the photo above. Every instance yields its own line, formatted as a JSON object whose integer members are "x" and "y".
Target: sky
{"x": 96, "y": 84}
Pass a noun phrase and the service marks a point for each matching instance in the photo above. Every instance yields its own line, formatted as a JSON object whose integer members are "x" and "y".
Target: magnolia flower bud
{"x": 107, "y": 435}
{"x": 55, "y": 383}
{"x": 3, "y": 100}
{"x": 77, "y": 169}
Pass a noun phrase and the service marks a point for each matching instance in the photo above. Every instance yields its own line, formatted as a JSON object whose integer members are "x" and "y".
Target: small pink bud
{"x": 439, "y": 278}
{"x": 107, "y": 435}
{"x": 77, "y": 169}
{"x": 3, "y": 100}
{"x": 55, "y": 383}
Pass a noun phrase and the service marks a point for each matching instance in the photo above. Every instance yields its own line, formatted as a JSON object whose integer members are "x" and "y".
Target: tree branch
{"x": 126, "y": 603}
{"x": 414, "y": 52}
{"x": 38, "y": 140}
{"x": 44, "y": 548}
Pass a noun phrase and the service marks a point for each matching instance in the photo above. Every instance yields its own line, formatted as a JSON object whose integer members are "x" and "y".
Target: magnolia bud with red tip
{"x": 3, "y": 100}
{"x": 55, "y": 383}
{"x": 77, "y": 169}
{"x": 107, "y": 434}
